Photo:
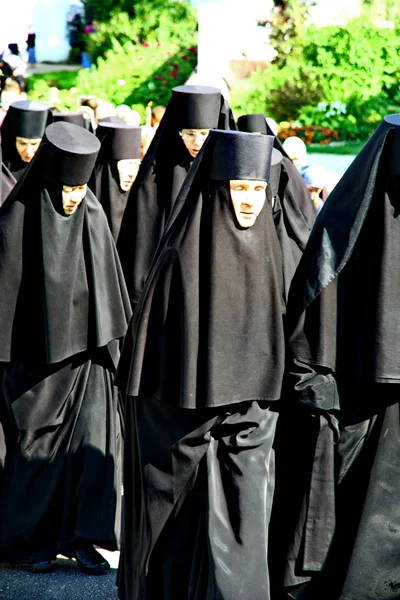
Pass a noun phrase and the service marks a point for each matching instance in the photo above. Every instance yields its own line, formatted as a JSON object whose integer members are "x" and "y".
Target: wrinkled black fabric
{"x": 199, "y": 487}
{"x": 161, "y": 175}
{"x": 64, "y": 310}
{"x": 212, "y": 308}
{"x": 62, "y": 473}
{"x": 8, "y": 182}
{"x": 342, "y": 373}
{"x": 105, "y": 186}
{"x": 292, "y": 220}
{"x": 62, "y": 269}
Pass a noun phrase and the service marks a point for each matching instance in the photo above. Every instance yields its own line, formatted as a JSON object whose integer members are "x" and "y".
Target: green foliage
{"x": 130, "y": 74}
{"x": 135, "y": 74}
{"x": 63, "y": 80}
{"x": 175, "y": 25}
{"x": 288, "y": 26}
{"x": 358, "y": 65}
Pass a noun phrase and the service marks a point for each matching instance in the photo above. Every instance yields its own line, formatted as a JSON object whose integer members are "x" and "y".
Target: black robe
{"x": 344, "y": 483}
{"x": 63, "y": 310}
{"x": 151, "y": 199}
{"x": 105, "y": 185}
{"x": 202, "y": 367}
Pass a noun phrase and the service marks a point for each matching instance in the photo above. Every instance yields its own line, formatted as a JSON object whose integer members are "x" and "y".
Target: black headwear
{"x": 253, "y": 123}
{"x": 75, "y": 118}
{"x": 27, "y": 119}
{"x": 70, "y": 156}
{"x": 345, "y": 291}
{"x": 208, "y": 329}
{"x": 118, "y": 142}
{"x": 236, "y": 158}
{"x": 197, "y": 106}
{"x": 161, "y": 175}
{"x": 62, "y": 287}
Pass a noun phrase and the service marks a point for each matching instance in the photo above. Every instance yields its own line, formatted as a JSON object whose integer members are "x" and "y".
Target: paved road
{"x": 65, "y": 582}
{"x": 335, "y": 164}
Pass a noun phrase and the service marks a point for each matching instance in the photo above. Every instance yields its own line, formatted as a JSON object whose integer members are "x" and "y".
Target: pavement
{"x": 335, "y": 164}
{"x": 65, "y": 582}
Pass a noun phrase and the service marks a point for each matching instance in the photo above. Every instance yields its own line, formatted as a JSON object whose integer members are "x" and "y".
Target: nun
{"x": 116, "y": 169}
{"x": 344, "y": 376}
{"x": 201, "y": 370}
{"x": 191, "y": 113}
{"x": 21, "y": 133}
{"x": 295, "y": 189}
{"x": 63, "y": 311}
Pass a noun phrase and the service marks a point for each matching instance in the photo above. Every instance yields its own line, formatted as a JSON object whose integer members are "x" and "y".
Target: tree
{"x": 287, "y": 26}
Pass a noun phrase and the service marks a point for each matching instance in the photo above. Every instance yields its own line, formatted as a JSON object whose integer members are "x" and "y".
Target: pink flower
{"x": 146, "y": 44}
{"x": 158, "y": 44}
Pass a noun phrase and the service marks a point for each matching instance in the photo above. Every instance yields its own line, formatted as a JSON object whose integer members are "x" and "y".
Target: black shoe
{"x": 90, "y": 561}
{"x": 40, "y": 566}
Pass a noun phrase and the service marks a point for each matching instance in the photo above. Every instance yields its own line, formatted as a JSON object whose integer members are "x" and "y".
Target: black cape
{"x": 207, "y": 336}
{"x": 343, "y": 371}
{"x": 198, "y": 292}
{"x": 64, "y": 308}
{"x": 161, "y": 175}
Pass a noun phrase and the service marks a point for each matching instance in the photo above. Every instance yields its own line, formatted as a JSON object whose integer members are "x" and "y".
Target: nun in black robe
{"x": 295, "y": 189}
{"x": 201, "y": 367}
{"x": 344, "y": 329}
{"x": 161, "y": 175}
{"x": 63, "y": 311}
{"x": 26, "y": 119}
{"x": 116, "y": 168}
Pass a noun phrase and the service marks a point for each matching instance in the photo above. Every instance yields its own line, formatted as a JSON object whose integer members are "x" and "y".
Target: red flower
{"x": 174, "y": 74}
{"x": 146, "y": 44}
{"x": 192, "y": 49}
{"x": 159, "y": 77}
{"x": 184, "y": 57}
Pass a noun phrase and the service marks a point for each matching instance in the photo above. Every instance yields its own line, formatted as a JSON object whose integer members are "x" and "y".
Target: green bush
{"x": 135, "y": 74}
{"x": 357, "y": 65}
{"x": 130, "y": 74}
{"x": 173, "y": 23}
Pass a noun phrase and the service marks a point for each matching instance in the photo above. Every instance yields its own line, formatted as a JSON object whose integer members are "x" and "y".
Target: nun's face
{"x": 127, "y": 170}
{"x": 194, "y": 139}
{"x": 248, "y": 199}
{"x": 27, "y": 147}
{"x": 72, "y": 196}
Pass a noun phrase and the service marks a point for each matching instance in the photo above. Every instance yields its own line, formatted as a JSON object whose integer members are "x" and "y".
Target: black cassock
{"x": 63, "y": 310}
{"x": 161, "y": 175}
{"x": 118, "y": 142}
{"x": 202, "y": 367}
{"x": 343, "y": 483}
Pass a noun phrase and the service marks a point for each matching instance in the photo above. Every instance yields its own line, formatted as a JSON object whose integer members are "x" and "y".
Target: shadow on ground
{"x": 65, "y": 582}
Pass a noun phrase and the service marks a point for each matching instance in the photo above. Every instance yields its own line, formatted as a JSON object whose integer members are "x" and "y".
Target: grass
{"x": 63, "y": 80}
{"x": 336, "y": 148}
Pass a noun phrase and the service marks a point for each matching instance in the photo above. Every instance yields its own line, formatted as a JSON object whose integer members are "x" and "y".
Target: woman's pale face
{"x": 127, "y": 170}
{"x": 72, "y": 196}
{"x": 27, "y": 147}
{"x": 248, "y": 198}
{"x": 194, "y": 139}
